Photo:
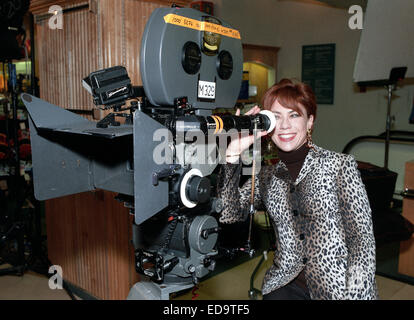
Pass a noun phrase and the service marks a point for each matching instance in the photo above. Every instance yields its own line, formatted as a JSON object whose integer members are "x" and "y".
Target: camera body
{"x": 161, "y": 156}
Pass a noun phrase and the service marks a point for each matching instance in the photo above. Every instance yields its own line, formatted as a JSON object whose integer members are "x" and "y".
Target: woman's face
{"x": 291, "y": 127}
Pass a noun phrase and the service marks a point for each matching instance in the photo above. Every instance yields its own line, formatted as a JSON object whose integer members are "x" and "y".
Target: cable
{"x": 193, "y": 292}
{"x": 173, "y": 219}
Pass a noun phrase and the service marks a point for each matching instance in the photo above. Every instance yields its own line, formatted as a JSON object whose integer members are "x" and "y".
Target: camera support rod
{"x": 252, "y": 211}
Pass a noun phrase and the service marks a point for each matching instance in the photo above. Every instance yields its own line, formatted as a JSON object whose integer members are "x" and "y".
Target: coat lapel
{"x": 309, "y": 163}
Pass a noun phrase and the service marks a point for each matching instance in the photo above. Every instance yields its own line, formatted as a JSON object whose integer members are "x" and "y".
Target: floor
{"x": 232, "y": 284}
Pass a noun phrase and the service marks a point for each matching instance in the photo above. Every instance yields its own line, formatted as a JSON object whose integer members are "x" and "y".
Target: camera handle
{"x": 110, "y": 120}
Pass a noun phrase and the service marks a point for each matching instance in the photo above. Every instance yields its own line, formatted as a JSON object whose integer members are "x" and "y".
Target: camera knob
{"x": 198, "y": 189}
{"x": 194, "y": 188}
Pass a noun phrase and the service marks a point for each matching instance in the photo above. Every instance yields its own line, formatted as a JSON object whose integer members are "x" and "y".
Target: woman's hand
{"x": 238, "y": 145}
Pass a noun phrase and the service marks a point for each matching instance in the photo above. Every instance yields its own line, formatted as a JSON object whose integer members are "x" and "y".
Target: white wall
{"x": 292, "y": 24}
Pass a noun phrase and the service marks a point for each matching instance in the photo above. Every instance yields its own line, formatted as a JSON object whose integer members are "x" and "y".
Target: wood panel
{"x": 406, "y": 258}
{"x": 42, "y": 6}
{"x": 89, "y": 236}
{"x": 266, "y": 55}
{"x": 65, "y": 56}
{"x": 409, "y": 175}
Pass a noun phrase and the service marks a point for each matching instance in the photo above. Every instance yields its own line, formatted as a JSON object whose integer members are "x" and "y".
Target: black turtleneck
{"x": 294, "y": 159}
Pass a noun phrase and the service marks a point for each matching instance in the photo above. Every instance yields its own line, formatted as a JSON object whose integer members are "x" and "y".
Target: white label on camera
{"x": 206, "y": 90}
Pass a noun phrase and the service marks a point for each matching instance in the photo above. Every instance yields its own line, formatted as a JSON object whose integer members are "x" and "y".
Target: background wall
{"x": 292, "y": 24}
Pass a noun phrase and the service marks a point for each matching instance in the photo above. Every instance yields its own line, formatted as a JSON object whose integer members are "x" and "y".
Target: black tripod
{"x": 253, "y": 292}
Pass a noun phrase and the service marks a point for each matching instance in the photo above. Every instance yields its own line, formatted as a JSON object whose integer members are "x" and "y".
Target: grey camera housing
{"x": 162, "y": 72}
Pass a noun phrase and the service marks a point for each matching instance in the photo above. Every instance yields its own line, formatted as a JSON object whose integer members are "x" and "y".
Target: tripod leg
{"x": 20, "y": 251}
{"x": 253, "y": 291}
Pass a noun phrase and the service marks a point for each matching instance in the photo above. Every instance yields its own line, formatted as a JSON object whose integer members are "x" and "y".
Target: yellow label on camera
{"x": 201, "y": 25}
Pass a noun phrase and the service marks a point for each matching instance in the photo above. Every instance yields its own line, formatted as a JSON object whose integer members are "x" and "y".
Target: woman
{"x": 317, "y": 204}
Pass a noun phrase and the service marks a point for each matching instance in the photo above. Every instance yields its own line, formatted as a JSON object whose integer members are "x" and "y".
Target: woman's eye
{"x": 295, "y": 115}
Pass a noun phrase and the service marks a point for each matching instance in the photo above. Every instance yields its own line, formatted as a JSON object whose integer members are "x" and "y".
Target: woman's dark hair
{"x": 290, "y": 95}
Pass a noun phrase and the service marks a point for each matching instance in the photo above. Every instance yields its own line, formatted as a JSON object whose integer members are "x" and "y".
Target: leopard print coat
{"x": 322, "y": 223}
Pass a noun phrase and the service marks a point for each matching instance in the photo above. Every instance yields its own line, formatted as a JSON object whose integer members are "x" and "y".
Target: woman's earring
{"x": 309, "y": 139}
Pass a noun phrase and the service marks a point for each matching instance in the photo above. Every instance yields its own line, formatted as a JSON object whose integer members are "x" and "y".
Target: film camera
{"x": 160, "y": 157}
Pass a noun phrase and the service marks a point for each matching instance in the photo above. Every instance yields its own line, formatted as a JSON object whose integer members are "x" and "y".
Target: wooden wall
{"x": 89, "y": 233}
{"x": 266, "y": 55}
{"x": 65, "y": 56}
{"x": 406, "y": 258}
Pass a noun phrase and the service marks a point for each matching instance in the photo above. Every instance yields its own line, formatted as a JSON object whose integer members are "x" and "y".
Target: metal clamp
{"x": 171, "y": 170}
{"x": 152, "y": 264}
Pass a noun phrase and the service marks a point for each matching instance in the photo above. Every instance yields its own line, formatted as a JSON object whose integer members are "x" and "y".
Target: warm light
{"x": 2, "y": 83}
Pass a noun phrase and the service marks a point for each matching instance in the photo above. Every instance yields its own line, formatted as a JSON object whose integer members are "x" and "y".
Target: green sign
{"x": 318, "y": 70}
